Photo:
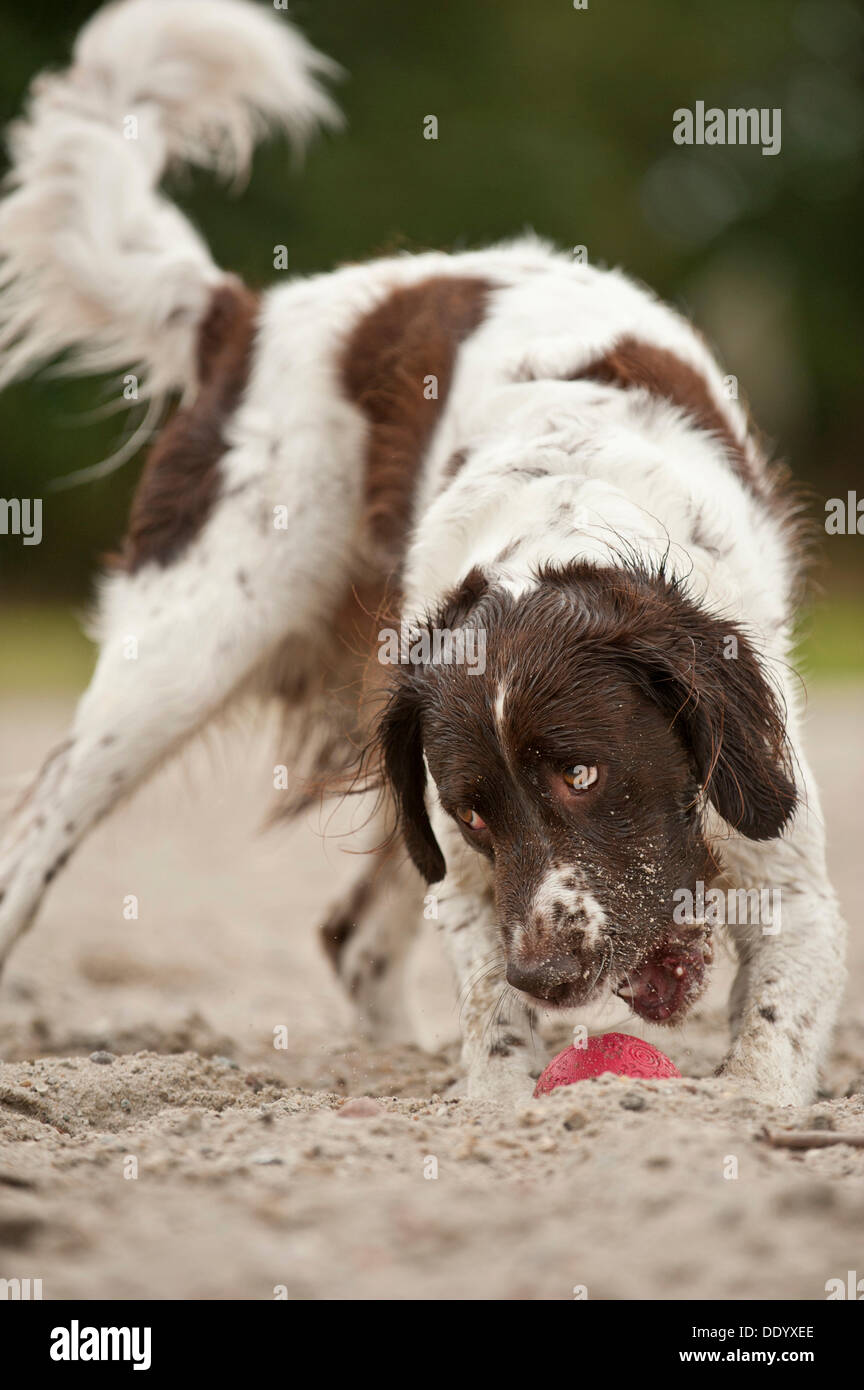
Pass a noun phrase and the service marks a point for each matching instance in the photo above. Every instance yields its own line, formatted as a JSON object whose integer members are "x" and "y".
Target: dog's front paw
{"x": 509, "y": 1087}
{"x": 765, "y": 1084}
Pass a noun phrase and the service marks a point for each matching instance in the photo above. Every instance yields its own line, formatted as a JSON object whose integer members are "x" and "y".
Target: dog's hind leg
{"x": 368, "y": 936}
{"x": 178, "y": 640}
{"x": 169, "y": 660}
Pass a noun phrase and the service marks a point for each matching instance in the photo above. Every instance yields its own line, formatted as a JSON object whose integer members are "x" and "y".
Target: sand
{"x": 154, "y": 1143}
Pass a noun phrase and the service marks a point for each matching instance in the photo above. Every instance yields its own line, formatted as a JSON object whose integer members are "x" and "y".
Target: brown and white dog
{"x": 533, "y": 468}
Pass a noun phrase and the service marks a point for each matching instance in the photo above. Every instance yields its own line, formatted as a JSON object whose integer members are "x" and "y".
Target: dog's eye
{"x": 580, "y": 777}
{"x": 470, "y": 818}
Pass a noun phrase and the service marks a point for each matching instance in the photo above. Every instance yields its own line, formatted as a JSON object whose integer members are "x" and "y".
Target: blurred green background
{"x": 551, "y": 118}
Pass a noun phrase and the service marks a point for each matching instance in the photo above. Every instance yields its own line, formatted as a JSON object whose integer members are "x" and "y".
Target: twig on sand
{"x": 810, "y": 1138}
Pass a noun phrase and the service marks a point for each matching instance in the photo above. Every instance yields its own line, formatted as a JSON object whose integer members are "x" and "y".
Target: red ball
{"x": 616, "y": 1052}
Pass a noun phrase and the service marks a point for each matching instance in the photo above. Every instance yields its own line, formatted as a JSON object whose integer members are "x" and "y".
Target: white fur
{"x": 553, "y": 890}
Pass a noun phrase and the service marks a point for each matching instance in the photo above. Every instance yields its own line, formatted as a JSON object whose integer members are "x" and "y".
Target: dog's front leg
{"x": 498, "y": 1052}
{"x": 791, "y": 973}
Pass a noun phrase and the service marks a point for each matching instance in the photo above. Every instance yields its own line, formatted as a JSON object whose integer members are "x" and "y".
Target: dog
{"x": 526, "y": 468}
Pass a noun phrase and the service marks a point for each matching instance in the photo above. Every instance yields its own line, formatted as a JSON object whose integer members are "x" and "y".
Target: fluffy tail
{"x": 93, "y": 260}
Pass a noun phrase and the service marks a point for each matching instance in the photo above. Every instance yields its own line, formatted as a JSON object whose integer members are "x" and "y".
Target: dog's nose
{"x": 544, "y": 979}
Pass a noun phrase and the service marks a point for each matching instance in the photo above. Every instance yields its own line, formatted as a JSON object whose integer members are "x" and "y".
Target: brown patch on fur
{"x": 329, "y": 691}
{"x": 180, "y": 481}
{"x": 634, "y": 363}
{"x": 455, "y": 464}
{"x": 414, "y": 334}
{"x": 354, "y": 669}
{"x": 364, "y": 609}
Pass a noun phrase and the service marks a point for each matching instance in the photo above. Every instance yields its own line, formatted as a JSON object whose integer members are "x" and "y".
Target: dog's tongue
{"x": 666, "y": 982}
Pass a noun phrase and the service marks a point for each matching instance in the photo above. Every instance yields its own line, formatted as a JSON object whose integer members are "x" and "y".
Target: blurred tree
{"x": 549, "y": 117}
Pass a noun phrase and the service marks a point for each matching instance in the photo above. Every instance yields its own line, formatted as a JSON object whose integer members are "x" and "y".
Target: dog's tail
{"x": 94, "y": 261}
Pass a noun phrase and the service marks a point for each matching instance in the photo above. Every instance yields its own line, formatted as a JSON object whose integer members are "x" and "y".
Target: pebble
{"x": 362, "y": 1108}
{"x": 266, "y": 1159}
{"x": 577, "y": 1119}
{"x": 529, "y": 1118}
{"x": 817, "y": 1121}
{"x": 633, "y": 1101}
{"x": 103, "y": 1058}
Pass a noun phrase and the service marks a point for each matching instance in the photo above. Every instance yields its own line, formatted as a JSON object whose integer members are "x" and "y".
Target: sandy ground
{"x": 190, "y": 1158}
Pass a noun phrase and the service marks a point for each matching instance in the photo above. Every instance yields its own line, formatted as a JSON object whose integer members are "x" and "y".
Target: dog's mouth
{"x": 660, "y": 988}
{"x": 667, "y": 983}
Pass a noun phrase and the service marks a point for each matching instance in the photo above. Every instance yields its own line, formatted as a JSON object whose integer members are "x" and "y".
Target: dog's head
{"x": 579, "y": 760}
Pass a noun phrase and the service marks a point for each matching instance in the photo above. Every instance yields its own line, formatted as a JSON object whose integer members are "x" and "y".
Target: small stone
{"x": 817, "y": 1121}
{"x": 104, "y": 1059}
{"x": 633, "y": 1101}
{"x": 576, "y": 1119}
{"x": 528, "y": 1118}
{"x": 266, "y": 1159}
{"x": 471, "y": 1149}
{"x": 362, "y": 1108}
{"x": 228, "y": 1062}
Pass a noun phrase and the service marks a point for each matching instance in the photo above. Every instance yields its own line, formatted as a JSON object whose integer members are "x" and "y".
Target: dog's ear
{"x": 399, "y": 737}
{"x": 400, "y": 744}
{"x": 704, "y": 673}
